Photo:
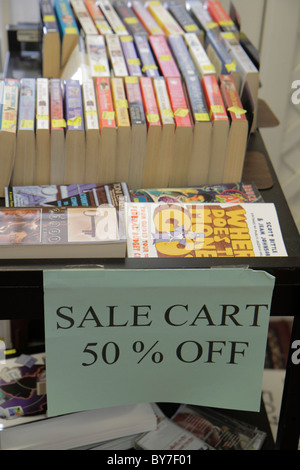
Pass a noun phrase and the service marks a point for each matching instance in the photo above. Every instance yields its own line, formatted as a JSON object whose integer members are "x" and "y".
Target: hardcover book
{"x": 57, "y": 135}
{"x": 51, "y": 40}
{"x": 68, "y": 29}
{"x": 132, "y": 60}
{"x": 108, "y": 131}
{"x": 131, "y": 21}
{"x": 25, "y": 159}
{"x": 112, "y": 17}
{"x": 164, "y": 56}
{"x": 220, "y": 128}
{"x": 92, "y": 131}
{"x": 153, "y": 131}
{"x": 60, "y": 232}
{"x": 123, "y": 128}
{"x": 42, "y": 172}
{"x": 148, "y": 63}
{"x": 83, "y": 17}
{"x": 97, "y": 56}
{"x": 165, "y": 155}
{"x": 75, "y": 133}
{"x": 193, "y": 230}
{"x": 146, "y": 18}
{"x": 202, "y": 136}
{"x": 183, "y": 139}
{"x": 98, "y": 17}
{"x": 116, "y": 55}
{"x": 163, "y": 17}
{"x": 8, "y": 129}
{"x": 138, "y": 132}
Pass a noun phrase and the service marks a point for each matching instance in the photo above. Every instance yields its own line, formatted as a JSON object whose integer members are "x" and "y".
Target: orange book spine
{"x": 213, "y": 98}
{"x": 105, "y": 103}
{"x": 178, "y": 102}
{"x": 56, "y": 104}
{"x": 97, "y": 17}
{"x": 146, "y": 18}
{"x": 231, "y": 98}
{"x": 165, "y": 20}
{"x": 149, "y": 101}
{"x": 164, "y": 56}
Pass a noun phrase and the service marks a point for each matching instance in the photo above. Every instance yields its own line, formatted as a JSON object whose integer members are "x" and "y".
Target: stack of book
{"x": 94, "y": 137}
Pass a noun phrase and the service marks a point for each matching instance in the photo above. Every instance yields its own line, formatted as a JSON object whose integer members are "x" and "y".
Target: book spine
{"x": 164, "y": 18}
{"x": 146, "y": 19}
{"x": 178, "y": 102}
{"x": 97, "y": 55}
{"x": 42, "y": 104}
{"x": 149, "y": 67}
{"x": 231, "y": 98}
{"x": 196, "y": 99}
{"x": 74, "y": 105}
{"x": 26, "y": 117}
{"x": 56, "y": 105}
{"x": 213, "y": 98}
{"x": 120, "y": 102}
{"x": 90, "y": 105}
{"x": 10, "y": 105}
{"x": 98, "y": 17}
{"x": 112, "y": 17}
{"x": 203, "y": 18}
{"x": 1, "y": 100}
{"x": 181, "y": 54}
{"x": 105, "y": 103}
{"x": 116, "y": 55}
{"x": 220, "y": 16}
{"x": 164, "y": 56}
{"x": 48, "y": 17}
{"x": 132, "y": 60}
{"x": 135, "y": 101}
{"x": 183, "y": 17}
{"x": 83, "y": 17}
{"x": 237, "y": 52}
{"x": 228, "y": 65}
{"x": 163, "y": 101}
{"x": 149, "y": 101}
{"x": 198, "y": 54}
{"x": 65, "y": 17}
{"x": 133, "y": 24}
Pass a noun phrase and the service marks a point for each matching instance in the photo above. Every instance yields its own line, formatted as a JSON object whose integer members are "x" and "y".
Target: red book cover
{"x": 164, "y": 56}
{"x": 149, "y": 101}
{"x": 146, "y": 18}
{"x": 213, "y": 98}
{"x": 231, "y": 98}
{"x": 219, "y": 15}
{"x": 105, "y": 102}
{"x": 178, "y": 102}
{"x": 56, "y": 104}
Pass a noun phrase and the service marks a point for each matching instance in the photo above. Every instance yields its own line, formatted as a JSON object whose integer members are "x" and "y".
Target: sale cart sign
{"x": 116, "y": 337}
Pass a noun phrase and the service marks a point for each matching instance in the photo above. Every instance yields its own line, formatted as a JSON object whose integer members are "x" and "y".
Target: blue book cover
{"x": 181, "y": 54}
{"x": 148, "y": 63}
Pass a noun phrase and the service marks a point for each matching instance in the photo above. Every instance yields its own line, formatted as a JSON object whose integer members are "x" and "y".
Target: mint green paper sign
{"x": 116, "y": 337}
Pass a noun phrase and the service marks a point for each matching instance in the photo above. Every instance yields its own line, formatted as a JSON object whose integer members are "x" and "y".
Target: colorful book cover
{"x": 181, "y": 54}
{"x": 223, "y": 193}
{"x": 98, "y": 17}
{"x": 163, "y": 101}
{"x": 83, "y": 17}
{"x": 112, "y": 17}
{"x": 148, "y": 63}
{"x": 231, "y": 99}
{"x": 56, "y": 104}
{"x": 116, "y": 55}
{"x": 74, "y": 105}
{"x": 220, "y": 16}
{"x": 42, "y": 104}
{"x": 198, "y": 54}
{"x": 196, "y": 99}
{"x": 132, "y": 60}
{"x": 105, "y": 103}
{"x": 150, "y": 103}
{"x": 245, "y": 64}
{"x": 214, "y": 99}
{"x": 90, "y": 105}
{"x": 26, "y": 115}
{"x": 135, "y": 101}
{"x": 183, "y": 17}
{"x": 218, "y": 53}
{"x": 146, "y": 18}
{"x": 120, "y": 102}
{"x": 65, "y": 17}
{"x": 178, "y": 102}
{"x": 97, "y": 56}
{"x": 164, "y": 56}
{"x": 131, "y": 21}
{"x": 48, "y": 17}
{"x": 161, "y": 230}
{"x": 202, "y": 17}
{"x": 166, "y": 21}
{"x": 9, "y": 108}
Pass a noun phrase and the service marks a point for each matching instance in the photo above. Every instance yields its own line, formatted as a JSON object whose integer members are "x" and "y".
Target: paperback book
{"x": 98, "y": 17}
{"x": 145, "y": 17}
{"x": 97, "y": 56}
{"x": 57, "y": 134}
{"x": 182, "y": 56}
{"x": 183, "y": 17}
{"x": 131, "y": 21}
{"x": 51, "y": 40}
{"x": 112, "y": 17}
{"x": 68, "y": 29}
{"x": 164, "y": 18}
{"x": 130, "y": 54}
{"x": 162, "y": 230}
{"x": 164, "y": 57}
{"x": 144, "y": 52}
{"x": 84, "y": 19}
{"x": 116, "y": 55}
{"x": 42, "y": 171}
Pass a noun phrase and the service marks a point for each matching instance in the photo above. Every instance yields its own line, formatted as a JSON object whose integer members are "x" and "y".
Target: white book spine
{"x": 42, "y": 104}
{"x": 90, "y": 105}
{"x": 97, "y": 56}
{"x": 83, "y": 16}
{"x": 116, "y": 55}
{"x": 198, "y": 54}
